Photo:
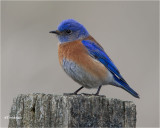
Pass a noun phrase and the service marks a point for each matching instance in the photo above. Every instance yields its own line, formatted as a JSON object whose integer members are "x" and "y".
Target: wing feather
{"x": 99, "y": 54}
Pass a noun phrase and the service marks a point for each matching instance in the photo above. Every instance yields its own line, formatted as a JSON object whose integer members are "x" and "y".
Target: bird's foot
{"x": 67, "y": 94}
{"x": 96, "y": 94}
{"x": 86, "y": 94}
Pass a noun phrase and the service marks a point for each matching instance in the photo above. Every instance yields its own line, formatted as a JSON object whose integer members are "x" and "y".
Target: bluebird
{"x": 85, "y": 60}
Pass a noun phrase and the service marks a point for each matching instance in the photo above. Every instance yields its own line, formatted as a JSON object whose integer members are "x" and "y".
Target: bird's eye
{"x": 68, "y": 31}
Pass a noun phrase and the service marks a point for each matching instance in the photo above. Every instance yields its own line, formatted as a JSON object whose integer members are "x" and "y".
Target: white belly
{"x": 84, "y": 78}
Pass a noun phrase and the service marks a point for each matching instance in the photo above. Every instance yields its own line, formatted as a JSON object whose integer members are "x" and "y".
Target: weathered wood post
{"x": 48, "y": 110}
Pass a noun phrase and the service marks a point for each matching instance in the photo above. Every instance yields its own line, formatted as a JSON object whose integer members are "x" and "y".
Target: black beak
{"x": 55, "y": 32}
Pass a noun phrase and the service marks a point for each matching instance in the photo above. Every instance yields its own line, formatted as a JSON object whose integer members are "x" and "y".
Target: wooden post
{"x": 48, "y": 110}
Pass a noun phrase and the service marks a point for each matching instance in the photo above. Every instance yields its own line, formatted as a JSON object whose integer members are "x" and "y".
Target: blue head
{"x": 70, "y": 30}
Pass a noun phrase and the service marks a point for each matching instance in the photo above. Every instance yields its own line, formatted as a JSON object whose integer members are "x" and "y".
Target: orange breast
{"x": 76, "y": 52}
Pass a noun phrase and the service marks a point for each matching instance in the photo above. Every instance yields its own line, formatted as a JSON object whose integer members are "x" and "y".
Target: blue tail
{"x": 126, "y": 87}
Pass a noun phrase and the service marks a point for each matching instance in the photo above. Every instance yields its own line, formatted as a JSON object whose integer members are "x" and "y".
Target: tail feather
{"x": 126, "y": 87}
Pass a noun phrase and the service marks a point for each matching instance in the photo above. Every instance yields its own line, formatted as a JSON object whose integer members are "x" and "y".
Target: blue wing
{"x": 99, "y": 54}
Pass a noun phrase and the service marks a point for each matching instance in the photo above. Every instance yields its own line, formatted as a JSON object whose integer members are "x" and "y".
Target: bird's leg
{"x": 78, "y": 90}
{"x": 99, "y": 88}
{"x": 75, "y": 93}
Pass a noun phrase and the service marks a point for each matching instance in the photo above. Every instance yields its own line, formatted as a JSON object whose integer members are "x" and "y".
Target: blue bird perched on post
{"x": 84, "y": 59}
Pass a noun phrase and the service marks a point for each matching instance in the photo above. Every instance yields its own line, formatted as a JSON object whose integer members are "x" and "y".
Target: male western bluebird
{"x": 84, "y": 59}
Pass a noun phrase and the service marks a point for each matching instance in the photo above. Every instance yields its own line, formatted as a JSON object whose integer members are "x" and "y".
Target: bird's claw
{"x": 67, "y": 94}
